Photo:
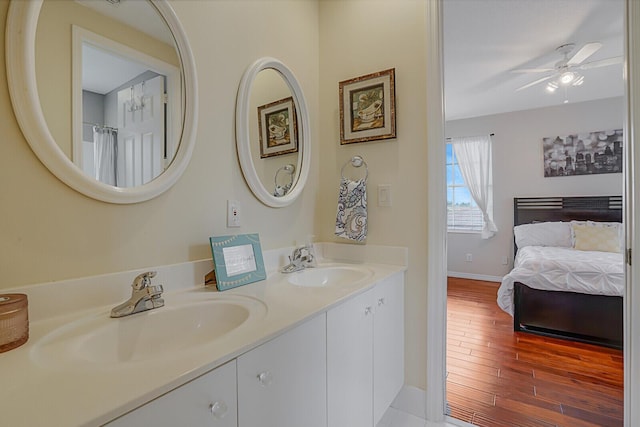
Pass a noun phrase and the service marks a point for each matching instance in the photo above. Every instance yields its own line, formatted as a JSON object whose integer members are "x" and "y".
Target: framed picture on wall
{"x": 368, "y": 107}
{"x": 277, "y": 128}
{"x": 586, "y": 153}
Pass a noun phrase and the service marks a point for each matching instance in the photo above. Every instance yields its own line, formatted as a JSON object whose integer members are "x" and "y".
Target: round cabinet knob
{"x": 219, "y": 409}
{"x": 265, "y": 378}
{"x": 381, "y": 301}
{"x": 368, "y": 311}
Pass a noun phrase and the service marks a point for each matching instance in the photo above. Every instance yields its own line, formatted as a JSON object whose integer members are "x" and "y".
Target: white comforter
{"x": 563, "y": 269}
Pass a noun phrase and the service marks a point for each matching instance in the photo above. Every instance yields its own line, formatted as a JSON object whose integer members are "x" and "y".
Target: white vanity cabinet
{"x": 340, "y": 368}
{"x": 283, "y": 383}
{"x": 209, "y": 400}
{"x": 365, "y": 354}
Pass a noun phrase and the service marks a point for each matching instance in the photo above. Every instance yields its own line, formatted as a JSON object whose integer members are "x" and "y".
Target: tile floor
{"x": 407, "y": 410}
{"x": 398, "y": 418}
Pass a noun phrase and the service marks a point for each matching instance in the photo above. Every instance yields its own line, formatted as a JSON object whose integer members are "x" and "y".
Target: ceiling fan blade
{"x": 601, "y": 63}
{"x": 535, "y": 82}
{"x": 585, "y": 51}
{"x": 533, "y": 70}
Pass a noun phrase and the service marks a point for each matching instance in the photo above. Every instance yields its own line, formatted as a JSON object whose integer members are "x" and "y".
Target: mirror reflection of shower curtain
{"x": 105, "y": 154}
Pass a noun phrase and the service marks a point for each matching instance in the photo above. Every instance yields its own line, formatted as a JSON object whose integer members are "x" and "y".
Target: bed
{"x": 557, "y": 290}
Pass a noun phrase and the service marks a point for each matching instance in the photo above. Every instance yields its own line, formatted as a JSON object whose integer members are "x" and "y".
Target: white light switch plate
{"x": 384, "y": 195}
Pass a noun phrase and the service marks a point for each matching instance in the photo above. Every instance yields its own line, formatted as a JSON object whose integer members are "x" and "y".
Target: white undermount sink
{"x": 328, "y": 276}
{"x": 98, "y": 340}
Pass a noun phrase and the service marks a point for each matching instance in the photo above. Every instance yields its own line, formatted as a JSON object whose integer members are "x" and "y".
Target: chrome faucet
{"x": 301, "y": 258}
{"x": 144, "y": 296}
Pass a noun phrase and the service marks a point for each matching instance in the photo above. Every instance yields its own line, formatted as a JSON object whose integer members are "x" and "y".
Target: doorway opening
{"x": 441, "y": 263}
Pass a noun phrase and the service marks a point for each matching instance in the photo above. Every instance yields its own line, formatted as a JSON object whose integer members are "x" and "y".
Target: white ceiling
{"x": 102, "y": 71}
{"x": 484, "y": 40}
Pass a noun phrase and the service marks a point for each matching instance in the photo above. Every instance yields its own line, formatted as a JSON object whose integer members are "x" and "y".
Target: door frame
{"x": 436, "y": 217}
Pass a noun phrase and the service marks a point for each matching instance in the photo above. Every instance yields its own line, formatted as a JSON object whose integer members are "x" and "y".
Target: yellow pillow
{"x": 590, "y": 238}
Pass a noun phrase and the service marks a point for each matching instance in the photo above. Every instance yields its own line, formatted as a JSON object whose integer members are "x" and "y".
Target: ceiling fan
{"x": 564, "y": 71}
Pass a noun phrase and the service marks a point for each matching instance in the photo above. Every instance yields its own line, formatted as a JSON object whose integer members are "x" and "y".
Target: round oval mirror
{"x": 104, "y": 92}
{"x": 272, "y": 132}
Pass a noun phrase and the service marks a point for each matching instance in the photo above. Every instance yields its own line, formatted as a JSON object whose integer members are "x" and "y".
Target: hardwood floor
{"x": 497, "y": 377}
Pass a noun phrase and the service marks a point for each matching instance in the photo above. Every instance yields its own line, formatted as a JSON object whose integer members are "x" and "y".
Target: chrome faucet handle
{"x": 300, "y": 258}
{"x": 143, "y": 280}
{"x": 310, "y": 256}
{"x": 296, "y": 255}
{"x": 144, "y": 296}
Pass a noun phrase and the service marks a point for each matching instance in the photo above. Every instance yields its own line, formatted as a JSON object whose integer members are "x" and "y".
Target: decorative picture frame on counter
{"x": 368, "y": 107}
{"x": 237, "y": 260}
{"x": 278, "y": 128}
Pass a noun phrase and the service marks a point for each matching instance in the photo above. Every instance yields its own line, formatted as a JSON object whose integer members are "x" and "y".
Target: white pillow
{"x": 543, "y": 234}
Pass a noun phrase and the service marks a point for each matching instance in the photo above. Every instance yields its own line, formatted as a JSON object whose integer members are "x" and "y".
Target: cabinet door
{"x": 350, "y": 362}
{"x": 388, "y": 343}
{"x": 283, "y": 383}
{"x": 209, "y": 400}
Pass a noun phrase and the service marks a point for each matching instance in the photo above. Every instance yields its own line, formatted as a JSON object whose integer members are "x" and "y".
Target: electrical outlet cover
{"x": 233, "y": 213}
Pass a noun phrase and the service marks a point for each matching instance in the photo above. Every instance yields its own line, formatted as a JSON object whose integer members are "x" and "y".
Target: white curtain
{"x": 474, "y": 159}
{"x": 105, "y": 154}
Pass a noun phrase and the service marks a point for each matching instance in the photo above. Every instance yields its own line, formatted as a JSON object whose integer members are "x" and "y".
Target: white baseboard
{"x": 473, "y": 276}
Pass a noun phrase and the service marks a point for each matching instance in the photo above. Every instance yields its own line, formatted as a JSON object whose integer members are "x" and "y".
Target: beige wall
{"x": 359, "y": 37}
{"x": 50, "y": 232}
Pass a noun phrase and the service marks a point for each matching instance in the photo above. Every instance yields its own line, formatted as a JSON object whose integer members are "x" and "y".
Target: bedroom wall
{"x": 518, "y": 171}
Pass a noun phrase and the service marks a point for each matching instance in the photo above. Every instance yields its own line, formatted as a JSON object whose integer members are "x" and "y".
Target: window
{"x": 463, "y": 213}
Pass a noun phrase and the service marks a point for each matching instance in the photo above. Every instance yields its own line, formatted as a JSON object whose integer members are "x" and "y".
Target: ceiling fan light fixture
{"x": 567, "y": 77}
{"x": 563, "y": 74}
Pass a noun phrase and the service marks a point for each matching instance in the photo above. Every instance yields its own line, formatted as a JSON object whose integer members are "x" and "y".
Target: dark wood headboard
{"x": 527, "y": 210}
{"x": 539, "y": 209}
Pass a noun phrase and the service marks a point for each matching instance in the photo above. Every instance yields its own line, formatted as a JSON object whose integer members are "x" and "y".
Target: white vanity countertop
{"x": 36, "y": 394}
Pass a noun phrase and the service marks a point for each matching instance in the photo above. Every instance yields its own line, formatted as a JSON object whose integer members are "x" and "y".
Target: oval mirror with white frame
{"x": 272, "y": 132}
{"x": 105, "y": 94}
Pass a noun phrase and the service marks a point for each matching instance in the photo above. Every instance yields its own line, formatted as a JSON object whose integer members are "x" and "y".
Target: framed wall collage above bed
{"x": 587, "y": 153}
